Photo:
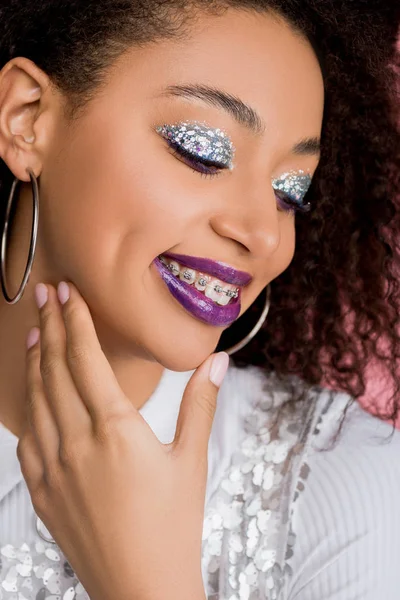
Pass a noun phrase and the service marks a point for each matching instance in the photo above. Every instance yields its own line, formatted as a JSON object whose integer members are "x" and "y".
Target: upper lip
{"x": 217, "y": 269}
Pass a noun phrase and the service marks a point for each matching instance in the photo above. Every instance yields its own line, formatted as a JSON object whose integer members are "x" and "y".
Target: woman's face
{"x": 121, "y": 187}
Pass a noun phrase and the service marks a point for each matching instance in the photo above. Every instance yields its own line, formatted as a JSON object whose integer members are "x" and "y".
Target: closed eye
{"x": 207, "y": 168}
{"x": 288, "y": 204}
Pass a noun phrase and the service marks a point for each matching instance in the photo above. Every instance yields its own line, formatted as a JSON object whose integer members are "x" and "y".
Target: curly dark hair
{"x": 335, "y": 309}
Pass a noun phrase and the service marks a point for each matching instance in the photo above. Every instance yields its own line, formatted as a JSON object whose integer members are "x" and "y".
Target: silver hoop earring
{"x": 32, "y": 248}
{"x": 256, "y": 327}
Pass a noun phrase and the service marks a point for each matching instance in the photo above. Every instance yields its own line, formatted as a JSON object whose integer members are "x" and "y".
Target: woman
{"x": 193, "y": 166}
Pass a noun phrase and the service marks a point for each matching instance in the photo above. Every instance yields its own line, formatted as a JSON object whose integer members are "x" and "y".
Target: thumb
{"x": 198, "y": 404}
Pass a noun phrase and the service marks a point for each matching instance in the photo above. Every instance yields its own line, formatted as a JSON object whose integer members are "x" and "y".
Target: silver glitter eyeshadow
{"x": 293, "y": 183}
{"x": 202, "y": 141}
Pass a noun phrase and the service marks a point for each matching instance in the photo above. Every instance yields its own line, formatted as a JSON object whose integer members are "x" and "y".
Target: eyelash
{"x": 290, "y": 205}
{"x": 191, "y": 161}
{"x": 286, "y": 203}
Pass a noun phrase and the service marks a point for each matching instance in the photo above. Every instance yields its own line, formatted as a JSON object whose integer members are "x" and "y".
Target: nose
{"x": 250, "y": 219}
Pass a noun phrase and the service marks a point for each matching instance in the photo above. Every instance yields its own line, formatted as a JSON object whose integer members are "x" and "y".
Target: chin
{"x": 185, "y": 352}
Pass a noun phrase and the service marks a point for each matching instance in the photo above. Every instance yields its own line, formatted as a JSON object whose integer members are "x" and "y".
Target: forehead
{"x": 256, "y": 57}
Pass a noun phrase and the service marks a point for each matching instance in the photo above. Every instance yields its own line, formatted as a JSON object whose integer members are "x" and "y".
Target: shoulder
{"x": 252, "y": 387}
{"x": 346, "y": 520}
{"x": 335, "y": 521}
{"x": 363, "y": 459}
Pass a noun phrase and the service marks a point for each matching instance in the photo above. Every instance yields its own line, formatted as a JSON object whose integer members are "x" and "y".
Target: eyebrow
{"x": 239, "y": 110}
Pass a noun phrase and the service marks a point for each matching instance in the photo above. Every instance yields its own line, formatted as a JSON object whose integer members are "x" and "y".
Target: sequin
{"x": 200, "y": 140}
{"x": 258, "y": 542}
{"x": 37, "y": 573}
{"x": 247, "y": 539}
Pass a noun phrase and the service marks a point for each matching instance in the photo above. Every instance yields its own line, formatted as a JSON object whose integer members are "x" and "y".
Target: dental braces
{"x": 203, "y": 282}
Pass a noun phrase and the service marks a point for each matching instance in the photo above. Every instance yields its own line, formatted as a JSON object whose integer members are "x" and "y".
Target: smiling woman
{"x": 215, "y": 174}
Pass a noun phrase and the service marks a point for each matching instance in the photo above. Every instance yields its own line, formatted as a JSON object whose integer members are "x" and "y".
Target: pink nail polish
{"x": 219, "y": 367}
{"x": 33, "y": 337}
{"x": 41, "y": 294}
{"x": 63, "y": 292}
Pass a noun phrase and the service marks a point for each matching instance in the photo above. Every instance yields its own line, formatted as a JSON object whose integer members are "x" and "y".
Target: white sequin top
{"x": 282, "y": 521}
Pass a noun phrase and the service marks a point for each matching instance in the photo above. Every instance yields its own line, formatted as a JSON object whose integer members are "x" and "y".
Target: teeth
{"x": 225, "y": 297}
{"x": 201, "y": 282}
{"x": 174, "y": 268}
{"x": 188, "y": 275}
{"x": 214, "y": 289}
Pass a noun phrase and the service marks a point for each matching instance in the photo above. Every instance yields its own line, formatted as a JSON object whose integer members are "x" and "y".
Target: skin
{"x": 113, "y": 198}
{"x": 97, "y": 445}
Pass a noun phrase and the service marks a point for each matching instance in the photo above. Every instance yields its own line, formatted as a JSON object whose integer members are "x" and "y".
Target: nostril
{"x": 243, "y": 246}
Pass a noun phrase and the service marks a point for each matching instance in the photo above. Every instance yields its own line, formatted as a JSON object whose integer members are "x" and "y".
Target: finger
{"x": 40, "y": 420}
{"x": 30, "y": 459}
{"x": 70, "y": 413}
{"x": 92, "y": 373}
{"x": 198, "y": 405}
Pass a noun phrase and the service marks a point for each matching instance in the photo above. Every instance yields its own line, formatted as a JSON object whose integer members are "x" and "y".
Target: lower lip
{"x": 196, "y": 303}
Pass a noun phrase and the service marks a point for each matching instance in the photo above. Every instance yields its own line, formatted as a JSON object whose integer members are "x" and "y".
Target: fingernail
{"x": 63, "y": 292}
{"x": 33, "y": 337}
{"x": 219, "y": 367}
{"x": 41, "y": 294}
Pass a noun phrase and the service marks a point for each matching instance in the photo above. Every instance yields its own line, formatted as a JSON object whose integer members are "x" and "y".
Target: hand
{"x": 126, "y": 510}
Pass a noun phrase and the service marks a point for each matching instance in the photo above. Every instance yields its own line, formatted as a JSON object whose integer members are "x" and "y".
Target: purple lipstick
{"x": 194, "y": 301}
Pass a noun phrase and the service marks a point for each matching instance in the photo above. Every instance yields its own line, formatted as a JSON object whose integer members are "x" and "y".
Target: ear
{"x": 27, "y": 116}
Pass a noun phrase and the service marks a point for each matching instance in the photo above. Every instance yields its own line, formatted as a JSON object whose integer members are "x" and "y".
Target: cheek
{"x": 102, "y": 194}
{"x": 285, "y": 251}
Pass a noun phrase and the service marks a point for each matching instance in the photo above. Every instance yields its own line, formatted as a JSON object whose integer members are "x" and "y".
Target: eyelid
{"x": 195, "y": 157}
{"x": 293, "y": 183}
{"x": 201, "y": 141}
{"x": 197, "y": 165}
